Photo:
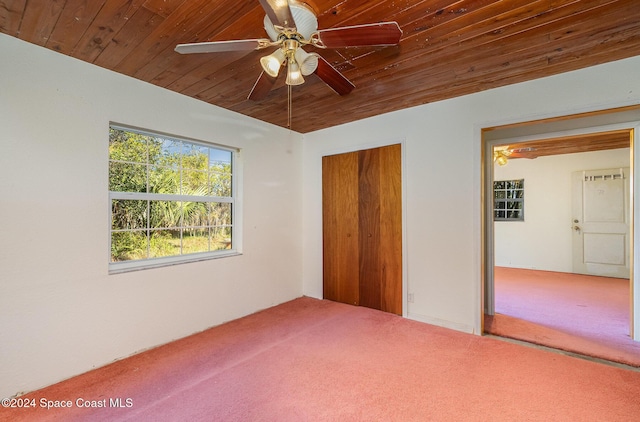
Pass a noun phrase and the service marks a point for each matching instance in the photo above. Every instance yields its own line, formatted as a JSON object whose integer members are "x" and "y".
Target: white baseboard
{"x": 441, "y": 323}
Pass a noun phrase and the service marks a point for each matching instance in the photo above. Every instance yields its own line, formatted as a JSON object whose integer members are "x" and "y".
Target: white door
{"x": 601, "y": 222}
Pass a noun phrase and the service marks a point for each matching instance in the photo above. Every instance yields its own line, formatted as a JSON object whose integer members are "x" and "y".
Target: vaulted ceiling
{"x": 448, "y": 48}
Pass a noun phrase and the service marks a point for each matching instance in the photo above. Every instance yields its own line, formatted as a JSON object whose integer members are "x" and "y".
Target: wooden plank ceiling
{"x": 448, "y": 48}
{"x": 597, "y": 141}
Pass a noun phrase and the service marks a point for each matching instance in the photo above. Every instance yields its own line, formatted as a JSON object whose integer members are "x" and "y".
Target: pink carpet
{"x": 577, "y": 313}
{"x": 314, "y": 360}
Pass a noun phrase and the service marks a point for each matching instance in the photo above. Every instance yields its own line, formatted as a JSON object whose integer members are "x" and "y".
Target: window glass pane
{"x": 195, "y": 214}
{"x": 164, "y": 243}
{"x": 499, "y": 185}
{"x": 127, "y": 146}
{"x": 165, "y": 214}
{"x": 128, "y": 245}
{"x": 195, "y": 157}
{"x": 194, "y": 182}
{"x": 128, "y": 214}
{"x": 166, "y": 152}
{"x": 195, "y": 240}
{"x": 220, "y": 238}
{"x": 220, "y": 173}
{"x": 164, "y": 180}
{"x": 500, "y": 194}
{"x": 219, "y": 214}
{"x": 220, "y": 184}
{"x": 220, "y": 157}
{"x": 127, "y": 177}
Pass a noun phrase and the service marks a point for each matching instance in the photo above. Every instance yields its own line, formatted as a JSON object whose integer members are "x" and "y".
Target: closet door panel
{"x": 340, "y": 228}
{"x": 391, "y": 229}
{"x": 369, "y": 226}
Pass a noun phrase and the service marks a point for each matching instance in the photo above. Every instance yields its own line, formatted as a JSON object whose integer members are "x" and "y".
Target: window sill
{"x": 128, "y": 266}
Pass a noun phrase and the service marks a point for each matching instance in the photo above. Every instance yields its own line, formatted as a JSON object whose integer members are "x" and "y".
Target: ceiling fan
{"x": 291, "y": 25}
{"x": 501, "y": 154}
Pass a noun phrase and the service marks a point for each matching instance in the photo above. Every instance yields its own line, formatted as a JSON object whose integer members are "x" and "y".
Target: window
{"x": 172, "y": 200}
{"x": 508, "y": 200}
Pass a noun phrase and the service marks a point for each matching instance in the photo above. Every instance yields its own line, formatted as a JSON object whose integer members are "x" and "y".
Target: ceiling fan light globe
{"x": 294, "y": 76}
{"x": 271, "y": 64}
{"x": 308, "y": 62}
{"x": 502, "y": 160}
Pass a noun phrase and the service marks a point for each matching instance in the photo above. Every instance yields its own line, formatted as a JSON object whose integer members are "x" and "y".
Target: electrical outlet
{"x": 410, "y": 298}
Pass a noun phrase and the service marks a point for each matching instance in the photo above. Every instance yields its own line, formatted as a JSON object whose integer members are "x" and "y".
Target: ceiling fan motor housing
{"x": 304, "y": 18}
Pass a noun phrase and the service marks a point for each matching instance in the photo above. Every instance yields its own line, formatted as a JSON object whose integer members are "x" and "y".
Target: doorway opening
{"x": 605, "y": 130}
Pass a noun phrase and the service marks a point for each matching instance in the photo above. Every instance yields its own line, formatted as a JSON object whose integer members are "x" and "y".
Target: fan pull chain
{"x": 289, "y": 107}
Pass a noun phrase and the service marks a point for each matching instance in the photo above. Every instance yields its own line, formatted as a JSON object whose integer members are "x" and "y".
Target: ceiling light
{"x": 501, "y": 160}
{"x": 501, "y": 154}
{"x": 271, "y": 63}
{"x": 308, "y": 62}
{"x": 294, "y": 76}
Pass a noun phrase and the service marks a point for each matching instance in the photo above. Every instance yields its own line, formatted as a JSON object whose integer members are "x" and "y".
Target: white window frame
{"x": 234, "y": 200}
{"x": 508, "y": 198}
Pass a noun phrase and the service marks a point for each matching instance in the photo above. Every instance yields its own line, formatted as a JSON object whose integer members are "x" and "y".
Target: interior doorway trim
{"x": 627, "y": 118}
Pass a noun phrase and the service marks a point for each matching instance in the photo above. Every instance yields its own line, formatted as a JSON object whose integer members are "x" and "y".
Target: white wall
{"x": 442, "y": 176}
{"x": 61, "y": 313}
{"x": 544, "y": 240}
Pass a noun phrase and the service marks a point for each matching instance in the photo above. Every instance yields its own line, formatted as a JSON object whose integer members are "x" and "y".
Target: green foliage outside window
{"x": 508, "y": 200}
{"x": 169, "y": 197}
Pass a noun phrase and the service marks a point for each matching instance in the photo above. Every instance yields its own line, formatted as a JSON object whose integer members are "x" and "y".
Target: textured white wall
{"x": 544, "y": 240}
{"x": 61, "y": 313}
{"x": 442, "y": 174}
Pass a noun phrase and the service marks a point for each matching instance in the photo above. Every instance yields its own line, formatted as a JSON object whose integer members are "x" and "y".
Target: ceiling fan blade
{"x": 526, "y": 154}
{"x": 333, "y": 78}
{"x": 279, "y": 13}
{"x": 222, "y": 46}
{"x": 385, "y": 33}
{"x": 262, "y": 87}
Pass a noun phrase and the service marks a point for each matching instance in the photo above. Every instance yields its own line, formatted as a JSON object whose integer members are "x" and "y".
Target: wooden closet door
{"x": 390, "y": 251}
{"x": 369, "y": 227}
{"x": 362, "y": 228}
{"x": 340, "y": 227}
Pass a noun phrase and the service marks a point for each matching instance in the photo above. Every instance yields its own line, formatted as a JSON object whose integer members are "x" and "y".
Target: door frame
{"x": 579, "y": 124}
